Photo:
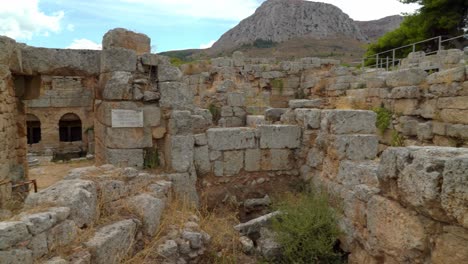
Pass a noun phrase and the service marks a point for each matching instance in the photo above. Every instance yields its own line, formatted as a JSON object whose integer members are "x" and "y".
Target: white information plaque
{"x": 127, "y": 118}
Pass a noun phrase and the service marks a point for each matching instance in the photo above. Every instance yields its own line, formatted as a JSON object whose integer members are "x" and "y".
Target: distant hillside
{"x": 296, "y": 28}
{"x": 377, "y": 28}
{"x": 282, "y": 20}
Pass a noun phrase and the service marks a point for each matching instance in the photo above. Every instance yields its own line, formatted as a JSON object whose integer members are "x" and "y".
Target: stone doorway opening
{"x": 33, "y": 125}
{"x": 70, "y": 128}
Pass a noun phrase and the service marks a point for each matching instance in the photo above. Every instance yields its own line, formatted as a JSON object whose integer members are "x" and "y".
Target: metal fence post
{"x": 414, "y": 47}
{"x": 393, "y": 59}
{"x": 387, "y": 63}
{"x": 440, "y": 43}
{"x": 376, "y": 60}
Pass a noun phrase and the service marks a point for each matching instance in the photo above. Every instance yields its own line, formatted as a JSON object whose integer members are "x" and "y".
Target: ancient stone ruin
{"x": 238, "y": 123}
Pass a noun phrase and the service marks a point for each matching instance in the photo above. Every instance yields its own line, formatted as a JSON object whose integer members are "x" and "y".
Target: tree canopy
{"x": 434, "y": 18}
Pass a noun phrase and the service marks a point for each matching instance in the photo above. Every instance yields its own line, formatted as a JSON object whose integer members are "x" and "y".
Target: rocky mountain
{"x": 377, "y": 28}
{"x": 282, "y": 20}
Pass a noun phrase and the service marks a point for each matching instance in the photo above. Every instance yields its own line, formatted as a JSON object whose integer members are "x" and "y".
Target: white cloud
{"x": 22, "y": 19}
{"x": 214, "y": 9}
{"x": 84, "y": 44}
{"x": 207, "y": 45}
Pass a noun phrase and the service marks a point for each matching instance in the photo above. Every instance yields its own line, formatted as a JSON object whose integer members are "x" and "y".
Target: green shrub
{"x": 384, "y": 118}
{"x": 151, "y": 159}
{"x": 397, "y": 139}
{"x": 278, "y": 84}
{"x": 215, "y": 112}
{"x": 263, "y": 44}
{"x": 307, "y": 229}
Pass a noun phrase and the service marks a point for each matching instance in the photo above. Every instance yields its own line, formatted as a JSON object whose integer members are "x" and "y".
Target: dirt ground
{"x": 48, "y": 173}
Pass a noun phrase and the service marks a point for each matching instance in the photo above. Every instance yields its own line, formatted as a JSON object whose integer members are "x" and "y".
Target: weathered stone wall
{"x": 13, "y": 167}
{"x": 426, "y": 96}
{"x": 408, "y": 207}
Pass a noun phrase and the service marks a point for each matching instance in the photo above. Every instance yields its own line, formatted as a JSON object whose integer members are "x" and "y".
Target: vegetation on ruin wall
{"x": 215, "y": 112}
{"x": 307, "y": 229}
{"x": 434, "y": 18}
{"x": 384, "y": 118}
{"x": 151, "y": 160}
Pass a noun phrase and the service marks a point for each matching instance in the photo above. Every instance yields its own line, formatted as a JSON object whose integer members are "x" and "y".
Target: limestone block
{"x": 447, "y": 76}
{"x": 104, "y": 110}
{"x": 281, "y": 160}
{"x": 255, "y": 120}
{"x": 227, "y": 111}
{"x": 446, "y": 89}
{"x": 439, "y": 128}
{"x": 118, "y": 59}
{"x": 116, "y": 85}
{"x": 424, "y": 131}
{"x": 128, "y": 138}
{"x": 167, "y": 73}
{"x": 407, "y": 92}
{"x": 226, "y": 86}
{"x": 406, "y": 77}
{"x": 221, "y": 62}
{"x": 79, "y": 195}
{"x": 154, "y": 59}
{"x": 302, "y": 103}
{"x": 218, "y": 168}
{"x": 62, "y": 234}
{"x": 111, "y": 243}
{"x": 358, "y": 172}
{"x": 406, "y": 106}
{"x": 252, "y": 160}
{"x": 394, "y": 229}
{"x": 408, "y": 125}
{"x": 428, "y": 109}
{"x": 201, "y": 160}
{"x": 151, "y": 115}
{"x": 15, "y": 256}
{"x": 349, "y": 121}
{"x": 123, "y": 38}
{"x": 12, "y": 233}
{"x": 149, "y": 209}
{"x": 126, "y": 157}
{"x": 176, "y": 95}
{"x": 40, "y": 222}
{"x": 457, "y": 131}
{"x": 450, "y": 248}
{"x": 309, "y": 118}
{"x": 454, "y": 116}
{"x": 112, "y": 190}
{"x": 280, "y": 136}
{"x": 150, "y": 96}
{"x": 274, "y": 114}
{"x": 314, "y": 158}
{"x": 215, "y": 155}
{"x": 236, "y": 99}
{"x": 38, "y": 245}
{"x": 43, "y": 61}
{"x": 201, "y": 139}
{"x": 180, "y": 123}
{"x": 454, "y": 195}
{"x": 233, "y": 162}
{"x": 356, "y": 147}
{"x": 459, "y": 102}
{"x": 181, "y": 152}
{"x": 231, "y": 138}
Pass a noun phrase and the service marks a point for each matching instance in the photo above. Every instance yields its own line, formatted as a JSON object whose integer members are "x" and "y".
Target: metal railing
{"x": 388, "y": 58}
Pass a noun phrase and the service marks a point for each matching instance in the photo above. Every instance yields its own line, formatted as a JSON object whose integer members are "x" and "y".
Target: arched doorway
{"x": 33, "y": 126}
{"x": 70, "y": 128}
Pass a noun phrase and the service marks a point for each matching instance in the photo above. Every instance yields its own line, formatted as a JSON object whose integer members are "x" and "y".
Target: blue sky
{"x": 171, "y": 24}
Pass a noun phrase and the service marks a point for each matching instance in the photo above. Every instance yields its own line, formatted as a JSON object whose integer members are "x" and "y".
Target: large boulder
{"x": 79, "y": 195}
{"x": 123, "y": 38}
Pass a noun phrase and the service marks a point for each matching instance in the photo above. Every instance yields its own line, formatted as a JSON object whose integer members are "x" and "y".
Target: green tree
{"x": 433, "y": 18}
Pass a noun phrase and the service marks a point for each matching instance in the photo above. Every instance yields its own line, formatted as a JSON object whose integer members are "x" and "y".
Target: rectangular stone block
{"x": 169, "y": 73}
{"x": 176, "y": 95}
{"x": 349, "y": 121}
{"x": 406, "y": 106}
{"x": 406, "y": 77}
{"x": 280, "y": 136}
{"x": 353, "y": 173}
{"x": 252, "y": 160}
{"x": 407, "y": 92}
{"x": 233, "y": 162}
{"x": 236, "y": 99}
{"x": 454, "y": 116}
{"x": 201, "y": 160}
{"x": 180, "y": 123}
{"x": 104, "y": 110}
{"x": 315, "y": 103}
{"x": 128, "y": 138}
{"x": 309, "y": 118}
{"x": 118, "y": 59}
{"x": 125, "y": 157}
{"x": 447, "y": 76}
{"x": 231, "y": 138}
{"x": 356, "y": 147}
{"x": 460, "y": 102}
{"x": 180, "y": 150}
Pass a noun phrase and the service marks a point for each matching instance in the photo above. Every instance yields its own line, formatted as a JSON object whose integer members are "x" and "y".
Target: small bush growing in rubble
{"x": 384, "y": 118}
{"x": 307, "y": 229}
